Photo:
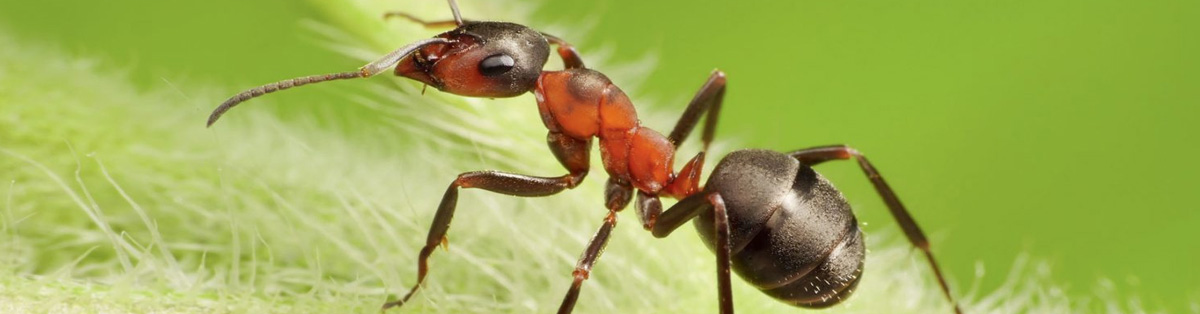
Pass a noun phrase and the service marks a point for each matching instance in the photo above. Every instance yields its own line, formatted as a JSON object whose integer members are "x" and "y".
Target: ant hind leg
{"x": 816, "y": 155}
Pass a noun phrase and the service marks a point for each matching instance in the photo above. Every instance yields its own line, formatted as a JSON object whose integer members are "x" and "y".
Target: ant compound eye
{"x": 496, "y": 65}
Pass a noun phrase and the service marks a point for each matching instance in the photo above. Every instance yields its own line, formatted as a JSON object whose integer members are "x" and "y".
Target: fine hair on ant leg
{"x": 768, "y": 216}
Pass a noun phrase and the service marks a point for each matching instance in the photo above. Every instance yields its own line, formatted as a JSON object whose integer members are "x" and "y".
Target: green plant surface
{"x": 1064, "y": 129}
{"x": 119, "y": 200}
{"x": 1000, "y": 127}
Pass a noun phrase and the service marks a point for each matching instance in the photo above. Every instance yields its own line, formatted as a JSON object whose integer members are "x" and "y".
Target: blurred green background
{"x": 1066, "y": 130}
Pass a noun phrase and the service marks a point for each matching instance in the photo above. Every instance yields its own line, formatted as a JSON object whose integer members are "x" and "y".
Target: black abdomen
{"x": 793, "y": 235}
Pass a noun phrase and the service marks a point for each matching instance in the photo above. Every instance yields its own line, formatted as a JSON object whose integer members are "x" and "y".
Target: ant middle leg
{"x": 708, "y": 99}
{"x": 816, "y": 155}
{"x": 707, "y": 102}
{"x": 617, "y": 195}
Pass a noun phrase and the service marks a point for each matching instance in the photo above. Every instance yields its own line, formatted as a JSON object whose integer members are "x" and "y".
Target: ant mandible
{"x": 767, "y": 215}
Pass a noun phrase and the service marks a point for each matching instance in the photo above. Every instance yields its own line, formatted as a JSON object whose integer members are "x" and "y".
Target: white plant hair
{"x": 117, "y": 200}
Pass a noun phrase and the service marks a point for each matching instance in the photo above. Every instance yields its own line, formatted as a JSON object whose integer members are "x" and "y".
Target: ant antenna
{"x": 368, "y": 70}
{"x": 457, "y": 17}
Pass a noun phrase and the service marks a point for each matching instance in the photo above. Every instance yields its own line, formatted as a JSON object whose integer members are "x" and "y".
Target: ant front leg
{"x": 689, "y": 208}
{"x": 572, "y": 153}
{"x": 566, "y": 51}
{"x": 817, "y": 155}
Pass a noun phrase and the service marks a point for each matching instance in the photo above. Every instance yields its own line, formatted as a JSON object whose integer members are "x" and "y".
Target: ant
{"x": 767, "y": 215}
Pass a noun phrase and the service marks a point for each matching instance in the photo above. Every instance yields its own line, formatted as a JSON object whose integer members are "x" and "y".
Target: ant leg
{"x": 572, "y": 153}
{"x": 709, "y": 99}
{"x": 689, "y": 208}
{"x": 817, "y": 155}
{"x": 683, "y": 211}
{"x": 617, "y": 196}
{"x": 566, "y": 51}
{"x": 583, "y": 268}
{"x": 721, "y": 222}
{"x": 648, "y": 208}
{"x": 495, "y": 181}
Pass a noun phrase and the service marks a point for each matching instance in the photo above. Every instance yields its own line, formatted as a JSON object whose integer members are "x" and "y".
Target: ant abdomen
{"x": 792, "y": 234}
{"x": 768, "y": 216}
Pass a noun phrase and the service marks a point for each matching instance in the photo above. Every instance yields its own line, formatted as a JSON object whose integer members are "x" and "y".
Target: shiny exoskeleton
{"x": 792, "y": 234}
{"x": 768, "y": 216}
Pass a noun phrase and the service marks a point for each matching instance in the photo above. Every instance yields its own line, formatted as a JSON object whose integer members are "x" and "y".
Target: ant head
{"x": 480, "y": 59}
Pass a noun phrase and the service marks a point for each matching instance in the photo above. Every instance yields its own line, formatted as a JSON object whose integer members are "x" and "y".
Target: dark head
{"x": 481, "y": 59}
{"x": 477, "y": 59}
